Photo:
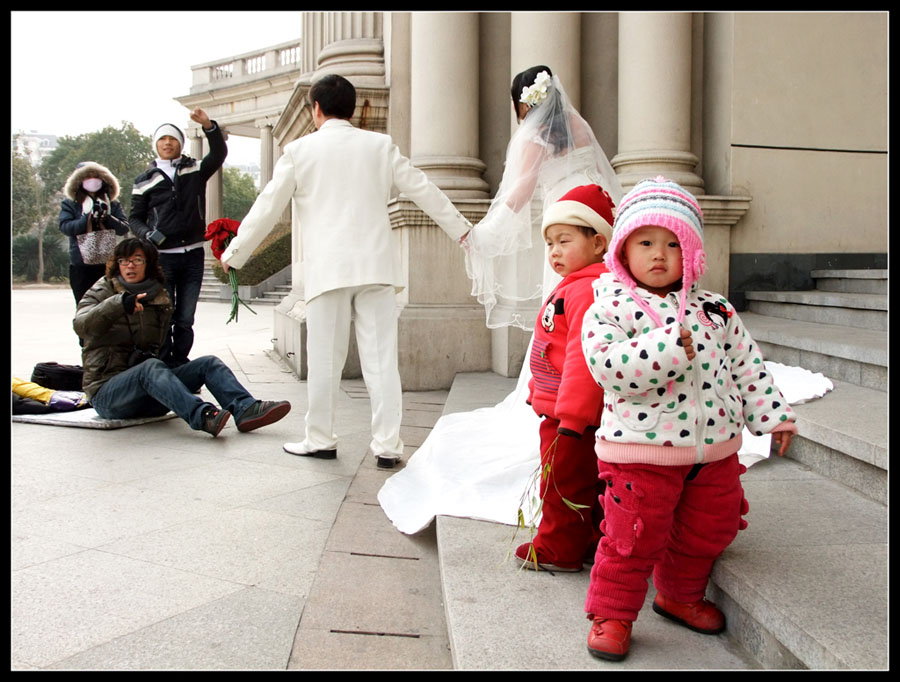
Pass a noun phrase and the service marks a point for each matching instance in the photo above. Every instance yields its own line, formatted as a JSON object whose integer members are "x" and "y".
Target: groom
{"x": 340, "y": 180}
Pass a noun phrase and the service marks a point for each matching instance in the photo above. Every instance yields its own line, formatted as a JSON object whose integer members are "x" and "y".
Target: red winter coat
{"x": 561, "y": 385}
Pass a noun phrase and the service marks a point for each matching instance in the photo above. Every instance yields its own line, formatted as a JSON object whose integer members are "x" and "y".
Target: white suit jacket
{"x": 340, "y": 180}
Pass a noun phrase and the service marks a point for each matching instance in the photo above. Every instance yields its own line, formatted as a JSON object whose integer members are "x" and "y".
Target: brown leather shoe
{"x": 700, "y": 616}
{"x": 609, "y": 639}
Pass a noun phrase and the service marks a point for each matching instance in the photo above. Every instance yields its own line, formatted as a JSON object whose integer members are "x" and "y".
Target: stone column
{"x": 552, "y": 39}
{"x": 266, "y": 153}
{"x": 655, "y": 99}
{"x": 195, "y": 149}
{"x": 656, "y": 52}
{"x": 198, "y": 149}
{"x": 441, "y": 327}
{"x": 214, "y": 189}
{"x": 444, "y": 92}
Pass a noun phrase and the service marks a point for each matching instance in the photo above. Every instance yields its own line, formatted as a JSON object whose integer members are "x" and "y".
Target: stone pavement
{"x": 157, "y": 547}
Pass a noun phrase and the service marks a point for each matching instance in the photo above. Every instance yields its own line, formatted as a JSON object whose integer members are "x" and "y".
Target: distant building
{"x": 34, "y": 146}
{"x": 250, "y": 169}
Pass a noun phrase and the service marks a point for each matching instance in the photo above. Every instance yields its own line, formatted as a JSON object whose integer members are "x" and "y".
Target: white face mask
{"x": 92, "y": 184}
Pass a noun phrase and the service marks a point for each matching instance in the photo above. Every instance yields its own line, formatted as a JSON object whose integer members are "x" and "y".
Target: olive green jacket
{"x": 110, "y": 335}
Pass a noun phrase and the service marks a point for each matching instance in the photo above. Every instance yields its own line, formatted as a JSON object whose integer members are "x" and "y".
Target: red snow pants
{"x": 673, "y": 521}
{"x": 565, "y": 535}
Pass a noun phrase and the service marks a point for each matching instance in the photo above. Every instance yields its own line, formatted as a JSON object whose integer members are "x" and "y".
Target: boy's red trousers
{"x": 565, "y": 534}
{"x": 673, "y": 521}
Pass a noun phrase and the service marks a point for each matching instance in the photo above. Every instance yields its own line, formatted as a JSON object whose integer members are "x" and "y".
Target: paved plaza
{"x": 156, "y": 547}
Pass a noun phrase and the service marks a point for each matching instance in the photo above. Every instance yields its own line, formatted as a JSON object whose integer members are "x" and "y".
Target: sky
{"x": 78, "y": 72}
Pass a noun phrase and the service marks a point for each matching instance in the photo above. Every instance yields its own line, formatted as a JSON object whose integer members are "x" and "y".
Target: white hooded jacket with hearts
{"x": 659, "y": 407}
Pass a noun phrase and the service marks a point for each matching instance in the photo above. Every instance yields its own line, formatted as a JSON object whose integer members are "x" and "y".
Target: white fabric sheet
{"x": 85, "y": 419}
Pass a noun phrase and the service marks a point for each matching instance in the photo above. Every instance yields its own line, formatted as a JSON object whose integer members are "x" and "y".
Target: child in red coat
{"x": 577, "y": 229}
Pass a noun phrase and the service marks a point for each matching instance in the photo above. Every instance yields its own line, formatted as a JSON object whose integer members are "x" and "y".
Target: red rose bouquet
{"x": 220, "y": 233}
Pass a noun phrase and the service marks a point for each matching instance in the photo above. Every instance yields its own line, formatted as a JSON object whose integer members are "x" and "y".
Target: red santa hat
{"x": 587, "y": 206}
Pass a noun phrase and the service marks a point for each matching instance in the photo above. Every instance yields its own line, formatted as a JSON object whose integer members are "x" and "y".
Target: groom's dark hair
{"x": 335, "y": 94}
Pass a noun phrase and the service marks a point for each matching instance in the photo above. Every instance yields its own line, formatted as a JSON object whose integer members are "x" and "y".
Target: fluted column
{"x": 266, "y": 153}
{"x": 214, "y": 191}
{"x": 349, "y": 44}
{"x": 444, "y": 94}
{"x": 195, "y": 143}
{"x": 655, "y": 99}
{"x": 552, "y": 39}
{"x": 198, "y": 149}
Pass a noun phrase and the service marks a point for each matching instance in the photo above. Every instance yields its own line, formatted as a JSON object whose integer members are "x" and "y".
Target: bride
{"x": 483, "y": 464}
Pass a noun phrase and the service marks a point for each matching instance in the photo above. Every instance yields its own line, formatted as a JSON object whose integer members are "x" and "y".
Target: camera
{"x": 99, "y": 210}
{"x": 156, "y": 237}
{"x": 138, "y": 355}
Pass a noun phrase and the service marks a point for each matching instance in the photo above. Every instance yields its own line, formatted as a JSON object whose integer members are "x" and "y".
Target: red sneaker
{"x": 609, "y": 639}
{"x": 700, "y": 616}
{"x": 529, "y": 558}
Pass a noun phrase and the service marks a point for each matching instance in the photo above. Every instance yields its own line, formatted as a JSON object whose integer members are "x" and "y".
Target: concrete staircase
{"x": 267, "y": 293}
{"x": 803, "y": 587}
{"x": 211, "y": 288}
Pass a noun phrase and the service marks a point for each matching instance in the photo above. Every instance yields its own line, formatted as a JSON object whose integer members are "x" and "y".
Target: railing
{"x": 259, "y": 64}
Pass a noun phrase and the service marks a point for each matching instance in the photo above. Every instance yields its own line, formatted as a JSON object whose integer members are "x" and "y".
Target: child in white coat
{"x": 681, "y": 378}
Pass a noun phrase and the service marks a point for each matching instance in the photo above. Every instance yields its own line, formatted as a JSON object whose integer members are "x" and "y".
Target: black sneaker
{"x": 214, "y": 420}
{"x": 262, "y": 413}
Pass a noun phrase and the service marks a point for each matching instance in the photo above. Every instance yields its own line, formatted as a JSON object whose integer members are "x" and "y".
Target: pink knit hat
{"x": 588, "y": 206}
{"x": 663, "y": 203}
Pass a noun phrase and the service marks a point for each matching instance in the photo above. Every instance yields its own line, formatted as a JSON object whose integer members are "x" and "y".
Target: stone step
{"x": 858, "y": 356}
{"x": 866, "y": 311}
{"x": 805, "y": 584}
{"x": 500, "y": 617}
{"x": 852, "y": 281}
{"x": 843, "y": 436}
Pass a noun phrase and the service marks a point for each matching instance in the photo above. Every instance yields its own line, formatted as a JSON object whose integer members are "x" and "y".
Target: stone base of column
{"x": 508, "y": 348}
{"x": 438, "y": 341}
{"x": 720, "y": 215}
{"x": 434, "y": 343}
{"x": 633, "y": 167}
{"x": 358, "y": 59}
{"x": 289, "y": 330}
{"x": 459, "y": 177}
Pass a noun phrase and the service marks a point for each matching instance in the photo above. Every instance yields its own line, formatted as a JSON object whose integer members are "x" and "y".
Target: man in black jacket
{"x": 168, "y": 208}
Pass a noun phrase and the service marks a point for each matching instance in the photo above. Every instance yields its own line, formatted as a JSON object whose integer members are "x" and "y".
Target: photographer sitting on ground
{"x": 123, "y": 320}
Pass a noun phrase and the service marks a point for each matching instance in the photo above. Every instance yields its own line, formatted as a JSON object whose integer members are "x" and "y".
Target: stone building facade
{"x": 776, "y": 121}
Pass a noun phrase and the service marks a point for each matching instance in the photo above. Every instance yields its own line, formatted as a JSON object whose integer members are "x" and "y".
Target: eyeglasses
{"x": 133, "y": 261}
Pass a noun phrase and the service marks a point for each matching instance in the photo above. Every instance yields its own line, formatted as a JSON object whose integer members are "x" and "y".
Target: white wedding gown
{"x": 484, "y": 464}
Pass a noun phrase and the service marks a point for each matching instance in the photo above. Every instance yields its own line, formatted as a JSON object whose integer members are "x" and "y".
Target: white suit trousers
{"x": 373, "y": 309}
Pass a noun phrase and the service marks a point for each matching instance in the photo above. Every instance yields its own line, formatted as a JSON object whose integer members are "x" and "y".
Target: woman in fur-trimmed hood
{"x": 89, "y": 169}
{"x": 90, "y": 206}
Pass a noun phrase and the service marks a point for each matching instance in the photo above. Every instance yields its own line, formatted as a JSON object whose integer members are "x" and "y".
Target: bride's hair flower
{"x": 533, "y": 95}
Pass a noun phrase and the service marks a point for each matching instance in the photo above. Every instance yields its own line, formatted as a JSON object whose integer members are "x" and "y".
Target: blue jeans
{"x": 151, "y": 389}
{"x": 184, "y": 277}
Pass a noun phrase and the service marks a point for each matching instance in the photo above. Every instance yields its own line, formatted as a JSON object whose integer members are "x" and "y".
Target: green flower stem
{"x": 236, "y": 300}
